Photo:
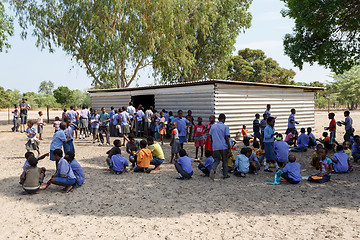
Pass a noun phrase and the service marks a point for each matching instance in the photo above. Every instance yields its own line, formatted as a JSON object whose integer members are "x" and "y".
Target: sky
{"x": 25, "y": 65}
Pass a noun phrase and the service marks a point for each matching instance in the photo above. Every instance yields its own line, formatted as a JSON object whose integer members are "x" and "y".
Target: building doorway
{"x": 145, "y": 100}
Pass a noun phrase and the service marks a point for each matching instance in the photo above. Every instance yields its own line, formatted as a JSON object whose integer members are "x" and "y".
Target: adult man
{"x": 220, "y": 134}
{"x": 24, "y": 107}
{"x": 148, "y": 114}
{"x": 104, "y": 127}
{"x": 124, "y": 122}
{"x": 131, "y": 110}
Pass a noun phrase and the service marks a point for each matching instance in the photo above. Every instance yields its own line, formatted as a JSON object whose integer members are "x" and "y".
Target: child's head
{"x": 246, "y": 151}
{"x": 143, "y": 144}
{"x": 291, "y": 158}
{"x": 246, "y": 141}
{"x": 182, "y": 153}
{"x": 268, "y": 107}
{"x": 222, "y": 117}
{"x": 65, "y": 110}
{"x": 40, "y": 113}
{"x": 30, "y": 123}
{"x": 174, "y": 125}
{"x": 257, "y": 116}
{"x": 271, "y": 121}
{"x": 170, "y": 113}
{"x": 57, "y": 154}
{"x": 112, "y": 108}
{"x": 318, "y": 147}
{"x": 293, "y": 132}
{"x": 244, "y": 126}
{"x": 33, "y": 161}
{"x": 95, "y": 111}
{"x": 15, "y": 105}
{"x": 57, "y": 119}
{"x": 357, "y": 138}
{"x": 28, "y": 155}
{"x": 256, "y": 144}
{"x": 162, "y": 114}
{"x": 293, "y": 111}
{"x": 279, "y": 137}
{"x": 117, "y": 143}
{"x": 103, "y": 110}
{"x": 309, "y": 130}
{"x": 123, "y": 108}
{"x": 325, "y": 134}
{"x": 72, "y": 107}
{"x": 302, "y": 130}
{"x": 339, "y": 148}
{"x": 347, "y": 145}
{"x": 189, "y": 112}
{"x": 265, "y": 116}
{"x": 69, "y": 156}
{"x": 347, "y": 113}
{"x": 212, "y": 118}
{"x": 331, "y": 115}
{"x": 180, "y": 113}
{"x": 62, "y": 126}
{"x": 199, "y": 120}
{"x": 117, "y": 151}
{"x": 67, "y": 120}
{"x": 322, "y": 153}
{"x": 208, "y": 153}
{"x": 131, "y": 138}
{"x": 150, "y": 140}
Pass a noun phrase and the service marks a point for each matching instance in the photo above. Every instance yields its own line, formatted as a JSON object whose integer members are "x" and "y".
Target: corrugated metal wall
{"x": 108, "y": 99}
{"x": 241, "y": 103}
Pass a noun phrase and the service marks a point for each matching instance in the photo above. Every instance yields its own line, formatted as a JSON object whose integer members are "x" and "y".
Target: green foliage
{"x": 46, "y": 87}
{"x": 253, "y": 66}
{"x": 63, "y": 95}
{"x": 15, "y": 96}
{"x": 321, "y": 102}
{"x": 6, "y": 28}
{"x": 81, "y": 98}
{"x": 4, "y": 98}
{"x": 326, "y": 32}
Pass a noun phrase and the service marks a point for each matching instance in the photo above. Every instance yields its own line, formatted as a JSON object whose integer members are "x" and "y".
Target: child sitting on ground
{"x": 348, "y": 150}
{"x": 183, "y": 166}
{"x": 303, "y": 142}
{"x": 118, "y": 163}
{"x": 77, "y": 169}
{"x": 32, "y": 177}
{"x": 207, "y": 166}
{"x": 291, "y": 171}
{"x": 32, "y": 143}
{"x": 199, "y": 137}
{"x": 132, "y": 148}
{"x": 315, "y": 157}
{"x": 64, "y": 175}
{"x": 157, "y": 153}
{"x": 325, "y": 166}
{"x": 326, "y": 141}
{"x": 312, "y": 139}
{"x": 28, "y": 155}
{"x": 174, "y": 142}
{"x": 259, "y": 153}
{"x": 144, "y": 158}
{"x": 242, "y": 163}
{"x": 341, "y": 160}
{"x": 111, "y": 152}
{"x": 244, "y": 132}
{"x": 282, "y": 150}
{"x": 291, "y": 138}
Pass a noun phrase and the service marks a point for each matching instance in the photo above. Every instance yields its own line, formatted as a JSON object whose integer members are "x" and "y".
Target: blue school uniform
{"x": 242, "y": 164}
{"x": 291, "y": 124}
{"x": 31, "y": 130}
{"x": 78, "y": 172}
{"x": 63, "y": 168}
{"x": 72, "y": 115}
{"x": 181, "y": 126}
{"x": 218, "y": 132}
{"x": 268, "y": 113}
{"x": 342, "y": 162}
{"x": 314, "y": 143}
{"x": 269, "y": 143}
{"x": 293, "y": 171}
{"x": 118, "y": 163}
{"x": 303, "y": 141}
{"x": 69, "y": 144}
{"x": 57, "y": 142}
{"x": 209, "y": 162}
{"x": 185, "y": 163}
{"x": 282, "y": 151}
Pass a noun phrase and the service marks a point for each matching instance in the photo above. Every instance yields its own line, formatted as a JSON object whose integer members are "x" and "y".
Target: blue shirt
{"x": 139, "y": 115}
{"x": 268, "y": 113}
{"x": 131, "y": 110}
{"x": 355, "y": 148}
{"x": 282, "y": 150}
{"x": 241, "y": 164}
{"x": 268, "y": 132}
{"x": 58, "y": 140}
{"x": 348, "y": 123}
{"x": 291, "y": 118}
{"x": 313, "y": 137}
{"x": 218, "y": 132}
{"x": 68, "y": 133}
{"x": 293, "y": 170}
{"x": 118, "y": 163}
{"x": 63, "y": 168}
{"x": 209, "y": 162}
{"x": 181, "y": 125}
{"x": 31, "y": 130}
{"x": 111, "y": 113}
{"x": 116, "y": 119}
{"x": 185, "y": 163}
{"x": 256, "y": 128}
{"x": 167, "y": 117}
{"x": 124, "y": 118}
{"x": 95, "y": 118}
{"x": 263, "y": 125}
{"x": 72, "y": 115}
{"x": 303, "y": 141}
{"x": 104, "y": 117}
{"x": 342, "y": 162}
{"x": 78, "y": 172}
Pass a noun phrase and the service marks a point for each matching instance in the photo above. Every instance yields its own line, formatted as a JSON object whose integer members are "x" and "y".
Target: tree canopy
{"x": 46, "y": 87}
{"x": 326, "y": 32}
{"x": 114, "y": 39}
{"x": 6, "y": 28}
{"x": 63, "y": 95}
{"x": 253, "y": 66}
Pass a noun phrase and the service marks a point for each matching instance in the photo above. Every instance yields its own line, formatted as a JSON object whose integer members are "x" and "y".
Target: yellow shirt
{"x": 157, "y": 151}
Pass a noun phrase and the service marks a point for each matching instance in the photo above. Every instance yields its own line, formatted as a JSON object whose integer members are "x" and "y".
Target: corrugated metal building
{"x": 238, "y": 100}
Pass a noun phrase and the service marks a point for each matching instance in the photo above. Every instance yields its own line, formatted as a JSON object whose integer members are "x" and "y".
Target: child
{"x": 171, "y": 117}
{"x": 125, "y": 124}
{"x": 64, "y": 175}
{"x": 162, "y": 130}
{"x": 315, "y": 157}
{"x": 16, "y": 120}
{"x": 312, "y": 139}
{"x": 256, "y": 127}
{"x": 56, "y": 123}
{"x": 325, "y": 166}
{"x": 32, "y": 177}
{"x": 348, "y": 126}
{"x": 259, "y": 153}
{"x": 282, "y": 150}
{"x": 269, "y": 133}
{"x": 326, "y": 141}
{"x": 132, "y": 148}
{"x": 190, "y": 126}
{"x": 144, "y": 158}
{"x": 77, "y": 169}
{"x": 207, "y": 166}
{"x": 303, "y": 142}
{"x": 157, "y": 153}
{"x": 117, "y": 162}
{"x": 58, "y": 140}
{"x": 242, "y": 163}
{"x": 84, "y": 115}
{"x": 69, "y": 144}
{"x": 341, "y": 160}
{"x": 199, "y": 137}
{"x": 291, "y": 138}
{"x": 332, "y": 128}
{"x": 111, "y": 152}
{"x": 183, "y": 166}
{"x": 244, "y": 132}
{"x": 94, "y": 119}
{"x": 291, "y": 172}
{"x": 348, "y": 150}
{"x": 356, "y": 148}
{"x": 28, "y": 155}
{"x": 40, "y": 124}
{"x": 32, "y": 142}
{"x": 211, "y": 122}
{"x": 174, "y": 142}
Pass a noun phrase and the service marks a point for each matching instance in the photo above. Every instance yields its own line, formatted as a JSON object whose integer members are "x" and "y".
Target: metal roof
{"x": 206, "y": 82}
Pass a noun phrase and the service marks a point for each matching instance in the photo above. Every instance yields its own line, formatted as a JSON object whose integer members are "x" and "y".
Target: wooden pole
{"x": 328, "y": 105}
{"x": 8, "y": 114}
{"x": 47, "y": 113}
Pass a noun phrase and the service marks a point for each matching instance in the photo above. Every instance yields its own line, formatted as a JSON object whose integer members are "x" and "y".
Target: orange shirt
{"x": 327, "y": 139}
{"x": 144, "y": 158}
{"x": 244, "y": 132}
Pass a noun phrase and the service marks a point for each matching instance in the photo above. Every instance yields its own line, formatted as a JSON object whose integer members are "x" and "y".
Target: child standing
{"x": 117, "y": 162}
{"x": 341, "y": 160}
{"x": 207, "y": 166}
{"x": 190, "y": 126}
{"x": 332, "y": 128}
{"x": 182, "y": 124}
{"x": 211, "y": 122}
{"x": 325, "y": 166}
{"x": 77, "y": 169}
{"x": 40, "y": 124}
{"x": 69, "y": 144}
{"x": 16, "y": 120}
{"x": 144, "y": 158}
{"x": 183, "y": 166}
{"x": 256, "y": 128}
{"x": 132, "y": 148}
{"x": 162, "y": 130}
{"x": 174, "y": 142}
{"x": 199, "y": 132}
{"x": 291, "y": 172}
{"x": 269, "y": 133}
{"x": 56, "y": 123}
{"x": 32, "y": 177}
{"x": 58, "y": 140}
{"x": 157, "y": 153}
{"x": 32, "y": 143}
{"x": 94, "y": 119}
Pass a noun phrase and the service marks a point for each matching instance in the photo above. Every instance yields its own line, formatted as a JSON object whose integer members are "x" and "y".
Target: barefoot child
{"x": 28, "y": 155}
{"x": 303, "y": 142}
{"x": 332, "y": 129}
{"x": 32, "y": 177}
{"x": 174, "y": 142}
{"x": 32, "y": 143}
{"x": 291, "y": 172}
{"x": 132, "y": 148}
{"x": 162, "y": 130}
{"x": 325, "y": 166}
{"x": 77, "y": 169}
{"x": 157, "y": 153}
{"x": 183, "y": 166}
{"x": 118, "y": 163}
{"x": 199, "y": 132}
{"x": 144, "y": 158}
{"x": 40, "y": 124}
{"x": 64, "y": 175}
{"x": 207, "y": 166}
{"x": 269, "y": 133}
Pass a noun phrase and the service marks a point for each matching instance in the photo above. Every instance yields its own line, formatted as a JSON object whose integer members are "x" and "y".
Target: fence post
{"x": 47, "y": 113}
{"x": 8, "y": 114}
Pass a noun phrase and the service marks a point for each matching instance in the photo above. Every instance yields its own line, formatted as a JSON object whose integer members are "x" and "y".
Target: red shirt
{"x": 332, "y": 122}
{"x": 199, "y": 130}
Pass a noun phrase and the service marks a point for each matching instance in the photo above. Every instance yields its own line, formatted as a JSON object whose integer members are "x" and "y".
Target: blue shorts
{"x": 66, "y": 181}
{"x": 182, "y": 139}
{"x": 69, "y": 146}
{"x": 156, "y": 161}
{"x": 51, "y": 155}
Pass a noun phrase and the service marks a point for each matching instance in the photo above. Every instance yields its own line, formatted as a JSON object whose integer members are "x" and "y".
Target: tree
{"x": 6, "y": 28}
{"x": 15, "y": 96}
{"x": 46, "y": 87}
{"x": 326, "y": 32}
{"x": 4, "y": 98}
{"x": 81, "y": 98}
{"x": 115, "y": 39}
{"x": 63, "y": 95}
{"x": 253, "y": 66}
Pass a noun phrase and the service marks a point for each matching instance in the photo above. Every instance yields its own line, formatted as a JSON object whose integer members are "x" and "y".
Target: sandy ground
{"x": 156, "y": 206}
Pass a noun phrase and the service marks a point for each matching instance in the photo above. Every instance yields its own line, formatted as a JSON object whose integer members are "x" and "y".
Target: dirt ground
{"x": 157, "y": 206}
